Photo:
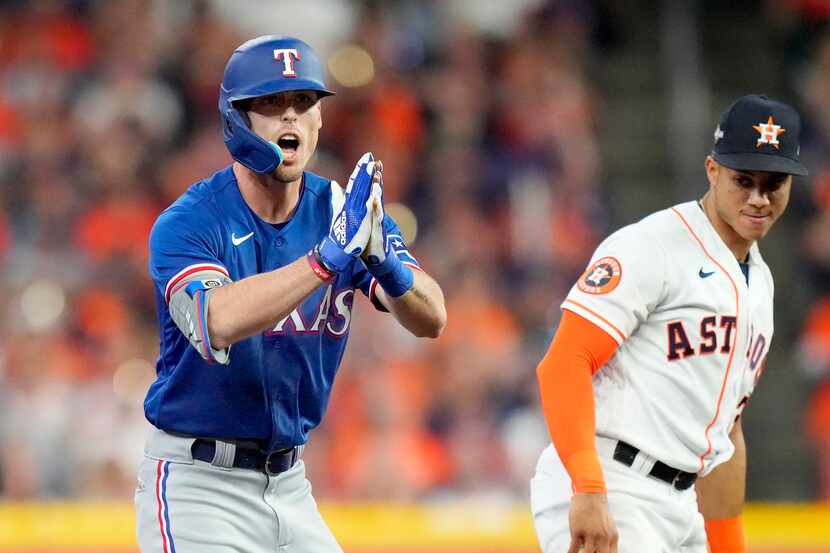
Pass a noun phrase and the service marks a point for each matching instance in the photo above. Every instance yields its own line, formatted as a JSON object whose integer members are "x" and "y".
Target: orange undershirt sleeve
{"x": 726, "y": 535}
{"x": 577, "y": 351}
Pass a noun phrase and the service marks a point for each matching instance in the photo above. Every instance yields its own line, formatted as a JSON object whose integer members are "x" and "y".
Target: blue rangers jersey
{"x": 277, "y": 384}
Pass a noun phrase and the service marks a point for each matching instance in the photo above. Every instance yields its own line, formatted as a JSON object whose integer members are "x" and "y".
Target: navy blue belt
{"x": 272, "y": 463}
{"x": 681, "y": 480}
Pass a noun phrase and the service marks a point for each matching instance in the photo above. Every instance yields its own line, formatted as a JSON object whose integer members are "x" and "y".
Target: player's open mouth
{"x": 289, "y": 143}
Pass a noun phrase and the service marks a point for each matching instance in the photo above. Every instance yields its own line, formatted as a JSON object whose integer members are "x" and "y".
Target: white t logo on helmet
{"x": 285, "y": 54}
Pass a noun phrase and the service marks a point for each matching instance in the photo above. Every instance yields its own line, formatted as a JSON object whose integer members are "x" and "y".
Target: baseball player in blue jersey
{"x": 255, "y": 270}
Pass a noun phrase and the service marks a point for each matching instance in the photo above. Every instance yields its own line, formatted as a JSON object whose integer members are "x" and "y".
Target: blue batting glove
{"x": 351, "y": 222}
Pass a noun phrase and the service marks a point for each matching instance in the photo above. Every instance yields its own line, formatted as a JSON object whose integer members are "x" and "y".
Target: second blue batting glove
{"x": 380, "y": 257}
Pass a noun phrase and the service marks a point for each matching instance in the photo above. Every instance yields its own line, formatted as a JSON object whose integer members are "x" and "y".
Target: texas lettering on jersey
{"x": 332, "y": 314}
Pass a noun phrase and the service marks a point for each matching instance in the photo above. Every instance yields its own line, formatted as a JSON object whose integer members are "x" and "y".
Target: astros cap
{"x": 759, "y": 134}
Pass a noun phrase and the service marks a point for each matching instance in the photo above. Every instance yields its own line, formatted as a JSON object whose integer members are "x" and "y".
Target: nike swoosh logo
{"x": 701, "y": 274}
{"x": 236, "y": 241}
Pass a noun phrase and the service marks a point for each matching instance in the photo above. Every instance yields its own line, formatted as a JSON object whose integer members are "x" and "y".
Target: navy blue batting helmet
{"x": 260, "y": 67}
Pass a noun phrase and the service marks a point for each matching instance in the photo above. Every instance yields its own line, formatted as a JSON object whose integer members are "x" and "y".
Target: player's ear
{"x": 319, "y": 107}
{"x": 712, "y": 170}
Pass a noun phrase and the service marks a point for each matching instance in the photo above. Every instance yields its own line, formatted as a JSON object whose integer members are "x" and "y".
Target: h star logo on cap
{"x": 286, "y": 55}
{"x": 769, "y": 133}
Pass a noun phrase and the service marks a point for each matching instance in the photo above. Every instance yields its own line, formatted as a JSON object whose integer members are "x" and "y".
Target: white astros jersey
{"x": 692, "y": 335}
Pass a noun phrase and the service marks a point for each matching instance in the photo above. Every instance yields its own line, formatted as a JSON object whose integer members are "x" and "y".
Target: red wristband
{"x": 322, "y": 273}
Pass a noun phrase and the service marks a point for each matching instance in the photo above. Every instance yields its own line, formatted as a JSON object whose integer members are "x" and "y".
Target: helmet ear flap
{"x": 252, "y": 151}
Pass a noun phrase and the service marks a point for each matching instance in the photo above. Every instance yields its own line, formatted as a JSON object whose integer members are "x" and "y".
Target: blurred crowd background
{"x": 515, "y": 135}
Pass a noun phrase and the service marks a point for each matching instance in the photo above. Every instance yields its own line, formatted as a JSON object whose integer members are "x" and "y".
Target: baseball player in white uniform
{"x": 661, "y": 343}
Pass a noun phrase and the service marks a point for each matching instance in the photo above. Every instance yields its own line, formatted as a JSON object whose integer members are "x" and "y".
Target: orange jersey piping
{"x": 734, "y": 339}
{"x": 598, "y": 316}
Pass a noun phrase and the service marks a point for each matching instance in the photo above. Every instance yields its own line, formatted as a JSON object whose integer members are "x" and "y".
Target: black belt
{"x": 681, "y": 480}
{"x": 272, "y": 463}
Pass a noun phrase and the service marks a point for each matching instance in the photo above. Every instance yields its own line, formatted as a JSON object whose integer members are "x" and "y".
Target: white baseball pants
{"x": 651, "y": 515}
{"x": 190, "y": 506}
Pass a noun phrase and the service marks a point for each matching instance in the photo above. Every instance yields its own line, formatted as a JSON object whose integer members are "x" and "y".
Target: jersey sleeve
{"x": 185, "y": 266}
{"x": 395, "y": 241}
{"x": 183, "y": 246}
{"x": 623, "y": 283}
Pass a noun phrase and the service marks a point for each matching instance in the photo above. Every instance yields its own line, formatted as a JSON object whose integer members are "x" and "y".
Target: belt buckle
{"x": 684, "y": 479}
{"x": 279, "y": 453}
{"x": 676, "y": 480}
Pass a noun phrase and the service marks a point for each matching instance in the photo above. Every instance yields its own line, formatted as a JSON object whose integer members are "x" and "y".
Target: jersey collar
{"x": 712, "y": 241}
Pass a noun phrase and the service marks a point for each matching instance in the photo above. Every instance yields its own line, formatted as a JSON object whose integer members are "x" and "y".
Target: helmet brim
{"x": 274, "y": 87}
